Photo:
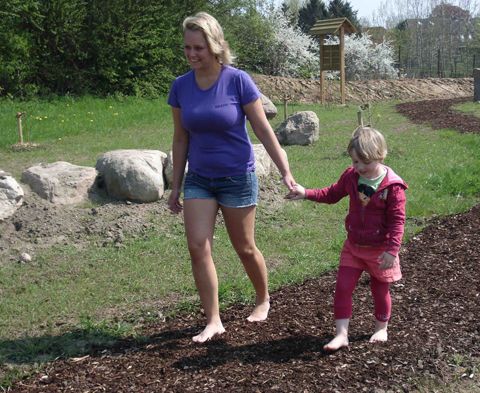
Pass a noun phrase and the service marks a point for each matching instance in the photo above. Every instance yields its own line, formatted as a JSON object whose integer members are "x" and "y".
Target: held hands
{"x": 386, "y": 260}
{"x": 296, "y": 193}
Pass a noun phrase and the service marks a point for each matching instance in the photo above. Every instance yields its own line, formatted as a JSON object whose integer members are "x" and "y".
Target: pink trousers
{"x": 347, "y": 278}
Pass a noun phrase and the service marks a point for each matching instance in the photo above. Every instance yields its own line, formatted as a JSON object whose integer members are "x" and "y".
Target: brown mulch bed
{"x": 435, "y": 319}
{"x": 438, "y": 114}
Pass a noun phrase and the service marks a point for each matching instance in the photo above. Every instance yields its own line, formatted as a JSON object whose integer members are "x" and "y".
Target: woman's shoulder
{"x": 185, "y": 78}
{"x": 235, "y": 72}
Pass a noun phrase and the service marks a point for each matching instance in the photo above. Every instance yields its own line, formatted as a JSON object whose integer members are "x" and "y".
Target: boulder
{"x": 60, "y": 182}
{"x": 11, "y": 195}
{"x": 135, "y": 175}
{"x": 168, "y": 170}
{"x": 301, "y": 128}
{"x": 264, "y": 166}
{"x": 268, "y": 107}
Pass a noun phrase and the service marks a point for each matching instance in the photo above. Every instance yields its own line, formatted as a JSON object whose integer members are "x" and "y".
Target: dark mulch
{"x": 438, "y": 114}
{"x": 435, "y": 318}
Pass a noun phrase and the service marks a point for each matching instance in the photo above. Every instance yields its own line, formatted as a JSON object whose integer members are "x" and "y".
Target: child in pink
{"x": 374, "y": 223}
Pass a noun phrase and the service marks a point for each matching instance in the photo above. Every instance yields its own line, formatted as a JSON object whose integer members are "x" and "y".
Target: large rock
{"x": 168, "y": 170}
{"x": 268, "y": 107}
{"x": 301, "y": 128}
{"x": 11, "y": 195}
{"x": 135, "y": 175}
{"x": 60, "y": 182}
{"x": 264, "y": 166}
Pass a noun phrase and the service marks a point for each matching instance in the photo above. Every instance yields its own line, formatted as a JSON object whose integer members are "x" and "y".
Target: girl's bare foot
{"x": 209, "y": 331}
{"x": 381, "y": 334}
{"x": 338, "y": 342}
{"x": 260, "y": 312}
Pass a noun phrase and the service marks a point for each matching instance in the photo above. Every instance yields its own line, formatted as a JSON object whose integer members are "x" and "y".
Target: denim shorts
{"x": 230, "y": 191}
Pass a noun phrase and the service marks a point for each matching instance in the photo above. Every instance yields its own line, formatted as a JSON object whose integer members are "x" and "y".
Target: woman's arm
{"x": 179, "y": 157}
{"x": 264, "y": 132}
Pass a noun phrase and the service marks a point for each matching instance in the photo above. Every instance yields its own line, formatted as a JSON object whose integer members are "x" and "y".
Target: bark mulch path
{"x": 438, "y": 114}
{"x": 434, "y": 333}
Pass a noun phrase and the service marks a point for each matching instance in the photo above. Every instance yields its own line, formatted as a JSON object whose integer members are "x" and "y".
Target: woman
{"x": 210, "y": 105}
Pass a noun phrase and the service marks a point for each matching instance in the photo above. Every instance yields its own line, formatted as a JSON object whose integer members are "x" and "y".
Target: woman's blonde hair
{"x": 368, "y": 143}
{"x": 213, "y": 33}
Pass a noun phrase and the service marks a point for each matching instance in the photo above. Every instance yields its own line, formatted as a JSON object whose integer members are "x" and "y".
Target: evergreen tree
{"x": 343, "y": 9}
{"x": 311, "y": 12}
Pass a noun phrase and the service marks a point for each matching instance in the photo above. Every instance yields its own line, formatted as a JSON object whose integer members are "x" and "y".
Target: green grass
{"x": 472, "y": 108}
{"x": 68, "y": 301}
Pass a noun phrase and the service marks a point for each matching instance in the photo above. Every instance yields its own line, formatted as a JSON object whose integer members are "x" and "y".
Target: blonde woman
{"x": 210, "y": 106}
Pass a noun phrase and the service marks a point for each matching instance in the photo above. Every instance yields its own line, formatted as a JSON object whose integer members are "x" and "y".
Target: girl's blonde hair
{"x": 368, "y": 143}
{"x": 213, "y": 33}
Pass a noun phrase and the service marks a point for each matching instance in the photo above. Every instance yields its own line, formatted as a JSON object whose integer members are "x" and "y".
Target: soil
{"x": 279, "y": 89}
{"x": 434, "y": 331}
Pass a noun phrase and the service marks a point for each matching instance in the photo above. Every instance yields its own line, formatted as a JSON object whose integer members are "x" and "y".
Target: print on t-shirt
{"x": 365, "y": 192}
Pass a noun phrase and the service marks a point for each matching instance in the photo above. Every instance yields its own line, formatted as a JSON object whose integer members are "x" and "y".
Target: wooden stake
{"x": 360, "y": 118}
{"x": 19, "y": 124}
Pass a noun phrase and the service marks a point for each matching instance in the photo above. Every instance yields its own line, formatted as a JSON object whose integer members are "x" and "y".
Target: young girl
{"x": 375, "y": 224}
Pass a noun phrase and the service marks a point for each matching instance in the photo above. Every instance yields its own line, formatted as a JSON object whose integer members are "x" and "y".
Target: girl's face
{"x": 366, "y": 169}
{"x": 197, "y": 51}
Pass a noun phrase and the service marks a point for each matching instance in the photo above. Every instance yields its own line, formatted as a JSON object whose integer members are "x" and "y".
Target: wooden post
{"x": 19, "y": 124}
{"x": 476, "y": 85}
{"x": 360, "y": 117}
{"x": 342, "y": 63}
{"x": 322, "y": 78}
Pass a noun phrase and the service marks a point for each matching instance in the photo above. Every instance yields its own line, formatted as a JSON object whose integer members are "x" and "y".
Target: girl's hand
{"x": 298, "y": 192}
{"x": 386, "y": 261}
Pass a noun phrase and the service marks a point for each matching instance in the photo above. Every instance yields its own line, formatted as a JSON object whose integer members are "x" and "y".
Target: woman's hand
{"x": 289, "y": 181}
{"x": 174, "y": 203}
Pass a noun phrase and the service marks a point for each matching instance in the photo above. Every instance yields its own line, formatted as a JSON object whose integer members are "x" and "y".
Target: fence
{"x": 439, "y": 65}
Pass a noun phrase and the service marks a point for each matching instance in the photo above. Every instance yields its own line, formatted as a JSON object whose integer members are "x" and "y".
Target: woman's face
{"x": 197, "y": 51}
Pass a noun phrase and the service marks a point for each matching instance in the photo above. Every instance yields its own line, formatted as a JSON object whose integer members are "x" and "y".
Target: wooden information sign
{"x": 330, "y": 56}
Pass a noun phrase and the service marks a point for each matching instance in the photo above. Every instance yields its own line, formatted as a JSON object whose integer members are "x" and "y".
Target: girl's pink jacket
{"x": 378, "y": 224}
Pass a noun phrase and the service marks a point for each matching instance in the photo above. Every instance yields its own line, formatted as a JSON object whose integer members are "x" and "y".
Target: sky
{"x": 365, "y": 8}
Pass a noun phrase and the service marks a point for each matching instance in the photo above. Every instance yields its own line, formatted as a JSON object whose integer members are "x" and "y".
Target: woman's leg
{"x": 347, "y": 278}
{"x": 240, "y": 224}
{"x": 199, "y": 216}
{"x": 383, "y": 308}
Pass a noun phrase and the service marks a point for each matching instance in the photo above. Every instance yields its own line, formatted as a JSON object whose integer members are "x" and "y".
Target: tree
{"x": 340, "y": 8}
{"x": 250, "y": 35}
{"x": 291, "y": 9}
{"x": 17, "y": 62}
{"x": 92, "y": 46}
{"x": 294, "y": 53}
{"x": 312, "y": 11}
{"x": 366, "y": 60}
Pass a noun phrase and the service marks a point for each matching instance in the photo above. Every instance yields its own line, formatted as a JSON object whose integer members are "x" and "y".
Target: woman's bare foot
{"x": 381, "y": 334}
{"x": 338, "y": 342}
{"x": 260, "y": 312}
{"x": 209, "y": 331}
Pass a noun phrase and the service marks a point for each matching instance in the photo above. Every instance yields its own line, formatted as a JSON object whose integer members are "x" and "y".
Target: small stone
{"x": 25, "y": 257}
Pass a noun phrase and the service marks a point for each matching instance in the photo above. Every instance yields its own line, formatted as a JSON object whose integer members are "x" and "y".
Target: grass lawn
{"x": 49, "y": 297}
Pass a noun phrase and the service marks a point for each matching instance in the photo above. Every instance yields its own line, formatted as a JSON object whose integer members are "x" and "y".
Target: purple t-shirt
{"x": 219, "y": 145}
